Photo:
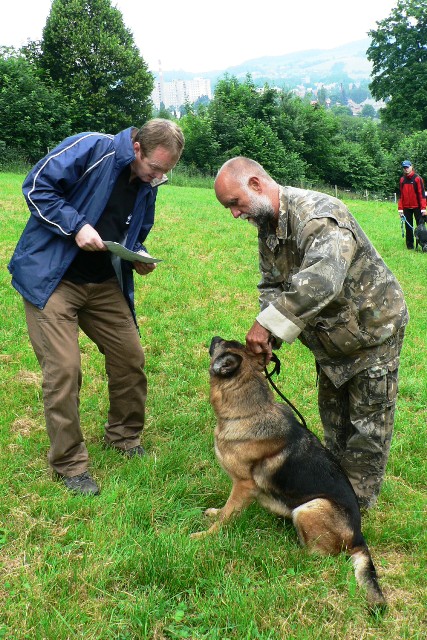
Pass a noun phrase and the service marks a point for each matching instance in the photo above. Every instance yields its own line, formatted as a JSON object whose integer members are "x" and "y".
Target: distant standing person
{"x": 91, "y": 187}
{"x": 412, "y": 201}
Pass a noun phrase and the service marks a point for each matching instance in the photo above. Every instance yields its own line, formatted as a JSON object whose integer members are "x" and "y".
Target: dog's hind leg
{"x": 243, "y": 492}
{"x": 323, "y": 528}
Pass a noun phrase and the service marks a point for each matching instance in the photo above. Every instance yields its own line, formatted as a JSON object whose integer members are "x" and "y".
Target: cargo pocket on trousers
{"x": 382, "y": 385}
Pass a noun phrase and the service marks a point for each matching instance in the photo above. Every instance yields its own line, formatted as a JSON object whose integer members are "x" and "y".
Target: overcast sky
{"x": 195, "y": 35}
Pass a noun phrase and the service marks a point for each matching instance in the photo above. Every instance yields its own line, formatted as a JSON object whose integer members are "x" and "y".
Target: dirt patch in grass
{"x": 29, "y": 377}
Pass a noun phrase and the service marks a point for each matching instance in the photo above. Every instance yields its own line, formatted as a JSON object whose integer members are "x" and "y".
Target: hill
{"x": 346, "y": 63}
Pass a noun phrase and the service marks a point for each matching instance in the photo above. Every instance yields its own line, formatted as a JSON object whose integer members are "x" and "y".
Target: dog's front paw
{"x": 213, "y": 513}
{"x": 198, "y": 534}
{"x": 214, "y": 528}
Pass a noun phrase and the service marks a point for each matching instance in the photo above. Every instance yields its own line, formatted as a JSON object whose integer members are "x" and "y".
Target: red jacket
{"x": 412, "y": 194}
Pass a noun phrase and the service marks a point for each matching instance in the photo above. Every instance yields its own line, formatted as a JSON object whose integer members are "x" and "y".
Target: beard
{"x": 261, "y": 212}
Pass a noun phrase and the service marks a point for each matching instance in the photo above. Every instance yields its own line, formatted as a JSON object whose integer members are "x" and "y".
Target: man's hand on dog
{"x": 258, "y": 340}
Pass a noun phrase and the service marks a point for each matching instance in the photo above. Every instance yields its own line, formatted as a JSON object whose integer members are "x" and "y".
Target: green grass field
{"x": 122, "y": 566}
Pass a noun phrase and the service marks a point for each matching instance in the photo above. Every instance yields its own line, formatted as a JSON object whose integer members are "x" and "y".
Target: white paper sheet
{"x": 127, "y": 254}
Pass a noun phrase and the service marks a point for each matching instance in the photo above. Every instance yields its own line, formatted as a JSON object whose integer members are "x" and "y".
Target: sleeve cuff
{"x": 79, "y": 226}
{"x": 278, "y": 324}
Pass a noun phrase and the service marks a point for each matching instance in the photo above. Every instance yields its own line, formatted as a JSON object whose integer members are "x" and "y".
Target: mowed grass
{"x": 122, "y": 566}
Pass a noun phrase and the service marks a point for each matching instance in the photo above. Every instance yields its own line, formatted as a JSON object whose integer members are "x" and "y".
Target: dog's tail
{"x": 366, "y": 577}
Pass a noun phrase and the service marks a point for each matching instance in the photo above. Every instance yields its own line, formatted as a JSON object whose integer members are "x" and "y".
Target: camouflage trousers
{"x": 358, "y": 422}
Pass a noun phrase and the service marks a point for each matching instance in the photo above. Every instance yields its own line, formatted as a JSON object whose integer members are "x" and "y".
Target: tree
{"x": 248, "y": 121}
{"x": 90, "y": 55}
{"x": 322, "y": 94}
{"x": 260, "y": 142}
{"x": 296, "y": 142}
{"x": 368, "y": 111}
{"x": 233, "y": 102}
{"x": 398, "y": 52}
{"x": 341, "y": 110}
{"x": 359, "y": 92}
{"x": 414, "y": 147}
{"x": 201, "y": 148}
{"x": 164, "y": 113}
{"x": 318, "y": 129}
{"x": 33, "y": 115}
{"x": 354, "y": 169}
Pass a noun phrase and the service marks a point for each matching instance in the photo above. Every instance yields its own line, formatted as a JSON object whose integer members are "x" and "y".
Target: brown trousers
{"x": 102, "y": 312}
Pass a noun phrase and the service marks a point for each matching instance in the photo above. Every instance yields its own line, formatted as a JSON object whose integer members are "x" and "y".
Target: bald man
{"x": 323, "y": 282}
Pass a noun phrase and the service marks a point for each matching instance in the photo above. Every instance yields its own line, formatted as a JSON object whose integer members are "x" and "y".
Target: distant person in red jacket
{"x": 412, "y": 201}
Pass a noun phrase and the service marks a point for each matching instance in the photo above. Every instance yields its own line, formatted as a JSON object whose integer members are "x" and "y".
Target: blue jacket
{"x": 67, "y": 189}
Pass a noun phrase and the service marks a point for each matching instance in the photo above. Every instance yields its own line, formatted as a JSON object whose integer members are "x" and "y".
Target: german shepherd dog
{"x": 272, "y": 458}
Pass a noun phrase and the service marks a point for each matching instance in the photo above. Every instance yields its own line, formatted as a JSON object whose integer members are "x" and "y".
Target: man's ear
{"x": 137, "y": 147}
{"x": 254, "y": 183}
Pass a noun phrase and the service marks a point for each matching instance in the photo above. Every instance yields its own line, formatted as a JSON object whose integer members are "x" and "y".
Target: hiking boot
{"x": 82, "y": 484}
{"x": 137, "y": 451}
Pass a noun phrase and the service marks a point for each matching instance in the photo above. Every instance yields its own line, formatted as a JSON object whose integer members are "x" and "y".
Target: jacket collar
{"x": 123, "y": 147}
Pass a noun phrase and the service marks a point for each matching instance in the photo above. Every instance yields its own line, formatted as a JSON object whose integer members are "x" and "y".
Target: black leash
{"x": 276, "y": 369}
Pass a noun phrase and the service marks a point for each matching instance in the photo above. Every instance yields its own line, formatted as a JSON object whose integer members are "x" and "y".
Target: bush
{"x": 13, "y": 159}
{"x": 189, "y": 176}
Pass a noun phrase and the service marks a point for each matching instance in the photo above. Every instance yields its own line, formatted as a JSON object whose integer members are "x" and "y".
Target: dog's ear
{"x": 226, "y": 364}
{"x": 215, "y": 340}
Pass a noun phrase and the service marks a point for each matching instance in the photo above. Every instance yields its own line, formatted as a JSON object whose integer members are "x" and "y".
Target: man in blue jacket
{"x": 92, "y": 187}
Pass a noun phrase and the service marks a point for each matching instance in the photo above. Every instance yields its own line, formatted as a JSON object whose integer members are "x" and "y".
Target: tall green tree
{"x": 233, "y": 102}
{"x": 246, "y": 121}
{"x": 413, "y": 147}
{"x": 201, "y": 148}
{"x": 398, "y": 52}
{"x": 34, "y": 116}
{"x": 91, "y": 56}
{"x": 319, "y": 130}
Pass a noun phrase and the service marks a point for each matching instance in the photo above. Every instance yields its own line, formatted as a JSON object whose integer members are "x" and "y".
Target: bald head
{"x": 240, "y": 164}
{"x": 243, "y": 186}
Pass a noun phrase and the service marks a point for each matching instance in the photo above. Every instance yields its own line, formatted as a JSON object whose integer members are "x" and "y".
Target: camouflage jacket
{"x": 324, "y": 283}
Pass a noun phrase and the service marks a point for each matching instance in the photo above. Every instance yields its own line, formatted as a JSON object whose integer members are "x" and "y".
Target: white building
{"x": 178, "y": 92}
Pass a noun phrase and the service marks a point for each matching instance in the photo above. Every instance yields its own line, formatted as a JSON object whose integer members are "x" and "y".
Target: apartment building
{"x": 178, "y": 92}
